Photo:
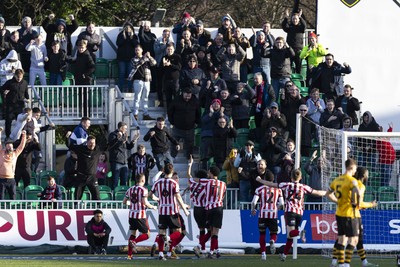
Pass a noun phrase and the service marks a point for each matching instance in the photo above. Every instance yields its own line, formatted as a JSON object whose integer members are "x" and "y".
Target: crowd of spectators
{"x": 202, "y": 82}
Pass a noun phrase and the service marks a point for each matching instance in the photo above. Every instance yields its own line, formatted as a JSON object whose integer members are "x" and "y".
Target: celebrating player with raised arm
{"x": 167, "y": 190}
{"x": 268, "y": 214}
{"x": 293, "y": 193}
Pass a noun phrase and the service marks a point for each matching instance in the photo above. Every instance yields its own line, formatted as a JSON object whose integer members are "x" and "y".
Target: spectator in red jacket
{"x": 386, "y": 157}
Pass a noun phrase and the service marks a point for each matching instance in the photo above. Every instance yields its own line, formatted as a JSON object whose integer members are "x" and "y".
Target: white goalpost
{"x": 376, "y": 151}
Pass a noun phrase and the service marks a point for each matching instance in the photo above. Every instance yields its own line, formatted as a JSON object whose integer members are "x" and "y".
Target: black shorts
{"x": 348, "y": 226}
{"x": 182, "y": 221}
{"x": 200, "y": 216}
{"x": 293, "y": 219}
{"x": 169, "y": 221}
{"x": 361, "y": 233}
{"x": 271, "y": 224}
{"x": 214, "y": 217}
{"x": 139, "y": 224}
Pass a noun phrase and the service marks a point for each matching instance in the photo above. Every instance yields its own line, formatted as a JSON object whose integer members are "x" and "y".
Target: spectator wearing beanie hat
{"x": 59, "y": 31}
{"x": 187, "y": 23}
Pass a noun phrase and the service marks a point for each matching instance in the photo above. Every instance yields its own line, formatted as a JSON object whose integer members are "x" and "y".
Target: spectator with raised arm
{"x": 26, "y": 33}
{"x": 92, "y": 38}
{"x": 38, "y": 57}
{"x": 348, "y": 104}
{"x": 60, "y": 31}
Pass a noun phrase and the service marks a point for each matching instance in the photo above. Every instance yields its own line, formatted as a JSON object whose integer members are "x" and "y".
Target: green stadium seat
{"x": 119, "y": 192}
{"x": 114, "y": 69}
{"x": 387, "y": 193}
{"x": 102, "y": 68}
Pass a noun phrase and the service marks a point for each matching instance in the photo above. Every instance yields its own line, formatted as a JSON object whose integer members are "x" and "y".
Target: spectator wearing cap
{"x": 4, "y": 38}
{"x": 241, "y": 105}
{"x": 222, "y": 140}
{"x": 246, "y": 162}
{"x": 15, "y": 92}
{"x": 241, "y": 40}
{"x": 315, "y": 104}
{"x": 313, "y": 53}
{"x": 126, "y": 43}
{"x": 272, "y": 145}
{"x": 184, "y": 115}
{"x": 230, "y": 59}
{"x": 265, "y": 95}
{"x": 228, "y": 25}
{"x": 202, "y": 35}
{"x": 274, "y": 118}
{"x": 290, "y": 107}
{"x": 307, "y": 131}
{"x": 348, "y": 104}
{"x": 192, "y": 76}
{"x": 208, "y": 123}
{"x": 8, "y": 161}
{"x": 26, "y": 33}
{"x": 38, "y": 57}
{"x": 211, "y": 88}
{"x": 187, "y": 23}
{"x": 170, "y": 66}
{"x": 59, "y": 31}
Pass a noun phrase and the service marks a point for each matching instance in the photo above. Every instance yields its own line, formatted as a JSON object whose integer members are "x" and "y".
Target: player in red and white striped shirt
{"x": 137, "y": 196}
{"x": 268, "y": 214}
{"x": 293, "y": 193}
{"x": 215, "y": 193}
{"x": 197, "y": 189}
{"x": 167, "y": 191}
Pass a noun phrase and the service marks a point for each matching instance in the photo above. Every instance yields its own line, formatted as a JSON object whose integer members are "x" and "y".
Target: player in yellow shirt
{"x": 362, "y": 177}
{"x": 345, "y": 188}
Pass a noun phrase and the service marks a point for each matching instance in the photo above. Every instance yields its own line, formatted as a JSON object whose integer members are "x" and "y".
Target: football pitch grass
{"x": 186, "y": 260}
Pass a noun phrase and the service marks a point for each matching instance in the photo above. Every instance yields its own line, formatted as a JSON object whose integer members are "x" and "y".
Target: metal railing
{"x": 67, "y": 102}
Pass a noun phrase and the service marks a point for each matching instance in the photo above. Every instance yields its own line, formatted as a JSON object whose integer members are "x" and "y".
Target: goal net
{"x": 375, "y": 151}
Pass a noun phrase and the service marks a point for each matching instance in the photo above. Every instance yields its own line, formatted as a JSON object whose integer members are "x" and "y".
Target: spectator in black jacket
{"x": 88, "y": 157}
{"x": 187, "y": 46}
{"x": 327, "y": 76}
{"x": 192, "y": 76}
{"x": 246, "y": 162}
{"x": 26, "y": 33}
{"x": 307, "y": 131}
{"x": 348, "y": 104}
{"x": 60, "y": 31}
{"x": 23, "y": 170}
{"x": 118, "y": 147}
{"x": 295, "y": 29}
{"x": 274, "y": 118}
{"x": 159, "y": 139}
{"x": 184, "y": 115}
{"x": 331, "y": 117}
{"x": 141, "y": 162}
{"x": 15, "y": 93}
{"x": 281, "y": 69}
{"x": 84, "y": 67}
{"x": 4, "y": 38}
{"x": 70, "y": 174}
{"x": 241, "y": 105}
{"x": 202, "y": 36}
{"x": 92, "y": 38}
{"x": 56, "y": 65}
{"x": 226, "y": 101}
{"x": 272, "y": 146}
{"x": 98, "y": 233}
{"x": 126, "y": 43}
{"x": 222, "y": 140}
{"x": 170, "y": 65}
{"x": 290, "y": 104}
{"x": 147, "y": 38}
{"x": 14, "y": 43}
{"x": 211, "y": 87}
